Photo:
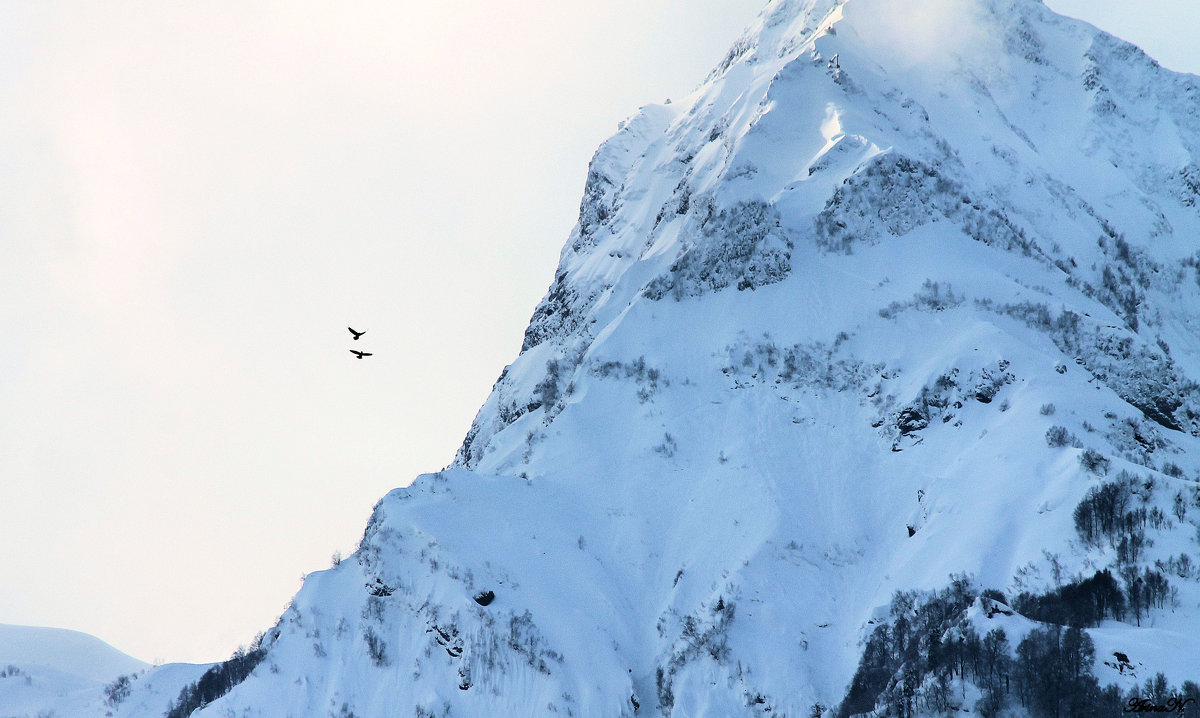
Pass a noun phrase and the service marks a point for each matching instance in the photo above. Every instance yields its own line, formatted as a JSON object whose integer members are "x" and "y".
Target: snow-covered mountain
{"x": 902, "y": 298}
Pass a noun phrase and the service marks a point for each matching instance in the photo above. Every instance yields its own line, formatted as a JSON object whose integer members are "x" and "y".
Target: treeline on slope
{"x": 217, "y": 681}
{"x": 922, "y": 658}
{"x": 1107, "y": 515}
{"x": 1086, "y": 602}
{"x": 1078, "y": 604}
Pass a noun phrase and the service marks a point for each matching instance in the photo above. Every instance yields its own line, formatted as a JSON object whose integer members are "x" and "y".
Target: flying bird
{"x": 359, "y": 354}
{"x": 356, "y": 334}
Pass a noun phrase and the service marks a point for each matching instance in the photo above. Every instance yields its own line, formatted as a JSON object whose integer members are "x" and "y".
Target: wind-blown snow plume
{"x": 922, "y": 34}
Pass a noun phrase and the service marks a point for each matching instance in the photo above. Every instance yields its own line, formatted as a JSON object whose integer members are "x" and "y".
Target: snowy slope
{"x": 40, "y": 667}
{"x": 67, "y": 651}
{"x": 804, "y": 349}
{"x": 68, "y": 674}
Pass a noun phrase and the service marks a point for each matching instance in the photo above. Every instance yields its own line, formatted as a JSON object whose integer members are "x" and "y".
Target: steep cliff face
{"x": 888, "y": 298}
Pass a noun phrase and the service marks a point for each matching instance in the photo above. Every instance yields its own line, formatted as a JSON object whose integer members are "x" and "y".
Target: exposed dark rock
{"x": 911, "y": 420}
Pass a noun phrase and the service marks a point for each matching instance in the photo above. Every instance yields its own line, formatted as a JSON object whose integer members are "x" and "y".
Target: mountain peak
{"x": 833, "y": 124}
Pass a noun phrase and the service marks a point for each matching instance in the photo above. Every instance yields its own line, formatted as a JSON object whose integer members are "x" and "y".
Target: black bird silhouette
{"x": 356, "y": 334}
{"x": 359, "y": 354}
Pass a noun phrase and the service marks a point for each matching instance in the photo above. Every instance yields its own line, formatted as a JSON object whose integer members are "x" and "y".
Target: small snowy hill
{"x": 881, "y": 339}
{"x": 66, "y": 651}
{"x": 68, "y": 674}
{"x": 43, "y": 667}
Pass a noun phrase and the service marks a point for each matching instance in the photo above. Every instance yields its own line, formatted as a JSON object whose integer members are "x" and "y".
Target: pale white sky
{"x": 196, "y": 199}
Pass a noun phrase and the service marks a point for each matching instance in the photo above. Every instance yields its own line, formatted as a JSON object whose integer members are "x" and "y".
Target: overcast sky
{"x": 196, "y": 199}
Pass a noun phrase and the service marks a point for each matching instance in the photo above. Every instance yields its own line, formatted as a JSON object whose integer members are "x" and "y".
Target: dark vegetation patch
{"x": 1141, "y": 373}
{"x": 216, "y": 682}
{"x": 742, "y": 246}
{"x": 899, "y": 194}
{"x": 922, "y": 658}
